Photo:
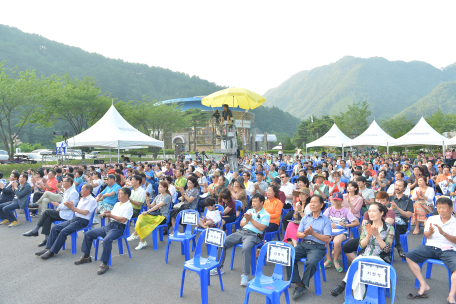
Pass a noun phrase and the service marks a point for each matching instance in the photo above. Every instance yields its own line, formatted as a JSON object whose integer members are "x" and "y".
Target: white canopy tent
{"x": 422, "y": 134}
{"x": 373, "y": 136}
{"x": 114, "y": 132}
{"x": 333, "y": 138}
{"x": 450, "y": 142}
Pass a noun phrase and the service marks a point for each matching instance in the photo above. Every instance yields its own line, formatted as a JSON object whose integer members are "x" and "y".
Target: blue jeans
{"x": 6, "y": 211}
{"x": 109, "y": 233}
{"x": 60, "y": 232}
{"x": 314, "y": 253}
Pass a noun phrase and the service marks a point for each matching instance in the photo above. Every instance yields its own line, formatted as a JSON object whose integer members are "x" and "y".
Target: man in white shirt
{"x": 249, "y": 187}
{"x": 288, "y": 189}
{"x": 86, "y": 207}
{"x": 344, "y": 171}
{"x": 228, "y": 174}
{"x": 119, "y": 215}
{"x": 61, "y": 213}
{"x": 366, "y": 193}
{"x": 440, "y": 234}
{"x": 399, "y": 176}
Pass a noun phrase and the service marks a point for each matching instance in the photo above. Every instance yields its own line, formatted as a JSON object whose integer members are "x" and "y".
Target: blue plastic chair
{"x": 183, "y": 237}
{"x": 124, "y": 237}
{"x": 26, "y": 211}
{"x": 203, "y": 266}
{"x": 80, "y": 187}
{"x": 237, "y": 222}
{"x": 158, "y": 231}
{"x": 272, "y": 287}
{"x": 269, "y": 236}
{"x": 429, "y": 263}
{"x": 74, "y": 235}
{"x": 374, "y": 294}
{"x": 253, "y": 253}
{"x": 403, "y": 238}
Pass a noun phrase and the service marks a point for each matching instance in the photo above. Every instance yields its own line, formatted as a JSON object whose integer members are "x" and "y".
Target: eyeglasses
{"x": 283, "y": 176}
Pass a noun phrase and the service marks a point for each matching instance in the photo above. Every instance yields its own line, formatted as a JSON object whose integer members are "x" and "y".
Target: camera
{"x": 217, "y": 116}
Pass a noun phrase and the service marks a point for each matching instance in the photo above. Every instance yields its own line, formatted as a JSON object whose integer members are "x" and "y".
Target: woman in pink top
{"x": 352, "y": 201}
{"x": 448, "y": 156}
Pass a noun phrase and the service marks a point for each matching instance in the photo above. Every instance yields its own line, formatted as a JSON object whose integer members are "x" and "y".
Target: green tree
{"x": 19, "y": 98}
{"x": 353, "y": 122}
{"x": 288, "y": 144}
{"x": 309, "y": 131}
{"x": 197, "y": 118}
{"x": 442, "y": 122}
{"x": 398, "y": 126}
{"x": 78, "y": 102}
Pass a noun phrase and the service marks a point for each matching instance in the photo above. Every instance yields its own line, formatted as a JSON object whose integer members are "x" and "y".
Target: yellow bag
{"x": 146, "y": 224}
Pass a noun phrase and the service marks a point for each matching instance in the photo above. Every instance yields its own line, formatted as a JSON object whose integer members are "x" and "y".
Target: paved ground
{"x": 145, "y": 277}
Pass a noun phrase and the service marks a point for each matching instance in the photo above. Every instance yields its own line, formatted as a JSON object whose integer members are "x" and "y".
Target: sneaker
{"x": 141, "y": 245}
{"x": 4, "y": 222}
{"x": 132, "y": 237}
{"x": 244, "y": 280}
{"x": 14, "y": 224}
{"x": 215, "y": 272}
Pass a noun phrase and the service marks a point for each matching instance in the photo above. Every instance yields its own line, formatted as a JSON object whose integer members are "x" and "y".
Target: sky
{"x": 252, "y": 44}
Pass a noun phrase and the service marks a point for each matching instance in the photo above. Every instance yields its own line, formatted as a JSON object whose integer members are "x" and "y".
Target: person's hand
{"x": 440, "y": 229}
{"x": 308, "y": 231}
{"x": 69, "y": 205}
{"x": 256, "y": 186}
{"x": 342, "y": 224}
{"x": 374, "y": 231}
{"x": 55, "y": 204}
{"x": 248, "y": 217}
{"x": 107, "y": 214}
{"x": 44, "y": 180}
{"x": 230, "y": 188}
{"x": 299, "y": 206}
{"x": 144, "y": 213}
{"x": 431, "y": 229}
{"x": 333, "y": 226}
{"x": 393, "y": 205}
{"x": 369, "y": 230}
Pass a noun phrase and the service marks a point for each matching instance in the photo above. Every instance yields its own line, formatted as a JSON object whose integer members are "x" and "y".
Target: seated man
{"x": 253, "y": 225}
{"x": 50, "y": 194}
{"x": 315, "y": 230}
{"x": 7, "y": 193}
{"x": 403, "y": 207}
{"x": 120, "y": 215}
{"x": 399, "y": 176}
{"x": 62, "y": 213}
{"x": 86, "y": 207}
{"x": 137, "y": 196}
{"x": 440, "y": 234}
{"x": 108, "y": 197}
{"x": 21, "y": 192}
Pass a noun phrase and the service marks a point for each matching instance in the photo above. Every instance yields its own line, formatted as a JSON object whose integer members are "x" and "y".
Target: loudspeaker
{"x": 98, "y": 161}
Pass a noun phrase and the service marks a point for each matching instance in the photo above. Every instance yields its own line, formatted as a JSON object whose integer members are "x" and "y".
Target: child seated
{"x": 212, "y": 215}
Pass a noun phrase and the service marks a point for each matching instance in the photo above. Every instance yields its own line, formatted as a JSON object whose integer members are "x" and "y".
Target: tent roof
{"x": 260, "y": 137}
{"x": 112, "y": 131}
{"x": 333, "y": 138}
{"x": 451, "y": 141}
{"x": 373, "y": 136}
{"x": 422, "y": 134}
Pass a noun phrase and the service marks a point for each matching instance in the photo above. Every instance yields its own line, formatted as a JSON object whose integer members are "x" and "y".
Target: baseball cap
{"x": 338, "y": 196}
{"x": 261, "y": 173}
{"x": 283, "y": 168}
{"x": 111, "y": 176}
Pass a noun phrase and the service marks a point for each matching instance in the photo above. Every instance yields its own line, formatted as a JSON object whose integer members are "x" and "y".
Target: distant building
{"x": 204, "y": 137}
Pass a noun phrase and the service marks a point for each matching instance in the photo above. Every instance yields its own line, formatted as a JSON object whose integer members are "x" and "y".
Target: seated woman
{"x": 273, "y": 206}
{"x": 156, "y": 215}
{"x": 189, "y": 198}
{"x": 212, "y": 216}
{"x": 424, "y": 203}
{"x": 353, "y": 201}
{"x": 336, "y": 185}
{"x": 300, "y": 209}
{"x": 376, "y": 242}
{"x": 238, "y": 192}
{"x": 229, "y": 205}
{"x": 339, "y": 216}
{"x": 379, "y": 182}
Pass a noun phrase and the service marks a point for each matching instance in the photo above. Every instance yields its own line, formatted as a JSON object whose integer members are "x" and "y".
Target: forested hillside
{"x": 274, "y": 120}
{"x": 388, "y": 86}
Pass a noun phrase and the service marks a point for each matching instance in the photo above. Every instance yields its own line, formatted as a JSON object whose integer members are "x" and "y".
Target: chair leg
{"x": 187, "y": 250}
{"x": 182, "y": 283}
{"x": 317, "y": 281}
{"x": 73, "y": 242}
{"x": 323, "y": 271}
{"x": 167, "y": 251}
{"x": 161, "y": 233}
{"x": 110, "y": 260}
{"x": 96, "y": 250}
{"x": 247, "y": 294}
{"x": 428, "y": 270}
{"x": 154, "y": 239}
{"x": 220, "y": 277}
{"x": 253, "y": 260}
{"x": 204, "y": 287}
{"x": 287, "y": 296}
{"x": 120, "y": 245}
{"x": 128, "y": 248}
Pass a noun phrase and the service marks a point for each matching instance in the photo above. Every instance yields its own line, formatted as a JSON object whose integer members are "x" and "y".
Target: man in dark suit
{"x": 21, "y": 192}
{"x": 7, "y": 189}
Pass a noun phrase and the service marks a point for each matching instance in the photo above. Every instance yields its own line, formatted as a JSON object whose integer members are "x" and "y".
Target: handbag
{"x": 155, "y": 212}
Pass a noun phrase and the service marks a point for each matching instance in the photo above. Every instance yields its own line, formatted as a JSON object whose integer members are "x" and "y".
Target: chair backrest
{"x": 374, "y": 294}
{"x": 188, "y": 228}
{"x": 278, "y": 269}
{"x": 239, "y": 205}
{"x": 212, "y": 254}
{"x": 219, "y": 208}
{"x": 80, "y": 187}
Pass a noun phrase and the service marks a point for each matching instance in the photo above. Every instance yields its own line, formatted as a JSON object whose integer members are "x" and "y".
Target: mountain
{"x": 125, "y": 80}
{"x": 389, "y": 86}
{"x": 443, "y": 97}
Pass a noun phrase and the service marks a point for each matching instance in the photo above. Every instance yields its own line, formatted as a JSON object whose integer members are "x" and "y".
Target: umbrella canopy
{"x": 373, "y": 136}
{"x": 234, "y": 97}
{"x": 333, "y": 138}
{"x": 422, "y": 134}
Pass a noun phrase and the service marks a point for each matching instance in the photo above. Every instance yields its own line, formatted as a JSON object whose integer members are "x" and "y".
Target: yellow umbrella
{"x": 234, "y": 97}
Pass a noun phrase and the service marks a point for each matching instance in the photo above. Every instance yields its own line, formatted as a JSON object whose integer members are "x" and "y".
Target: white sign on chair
{"x": 189, "y": 218}
{"x": 214, "y": 237}
{"x": 374, "y": 274}
{"x": 278, "y": 254}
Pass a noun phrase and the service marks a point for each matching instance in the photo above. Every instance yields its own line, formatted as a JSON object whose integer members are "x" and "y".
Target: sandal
{"x": 417, "y": 296}
{"x": 339, "y": 269}
{"x": 329, "y": 264}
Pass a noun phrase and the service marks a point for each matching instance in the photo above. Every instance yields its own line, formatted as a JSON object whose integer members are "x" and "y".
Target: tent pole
{"x": 387, "y": 148}
{"x": 343, "y": 151}
{"x": 110, "y": 155}
{"x": 306, "y": 151}
{"x": 163, "y": 150}
{"x": 118, "y": 152}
